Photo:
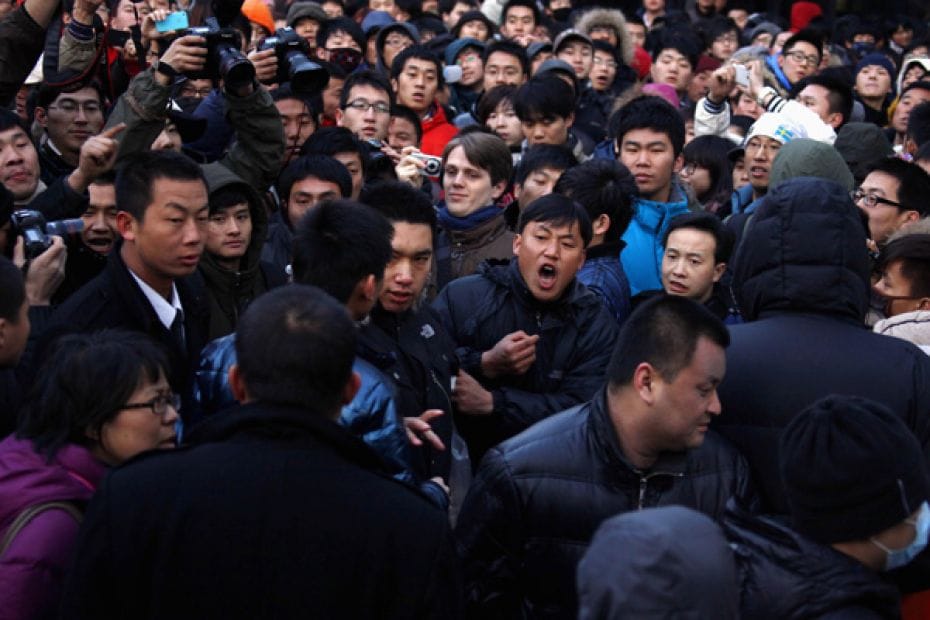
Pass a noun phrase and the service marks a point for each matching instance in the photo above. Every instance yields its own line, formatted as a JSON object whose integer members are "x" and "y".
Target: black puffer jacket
{"x": 801, "y": 278}
{"x": 785, "y": 575}
{"x": 577, "y": 335}
{"x": 538, "y": 499}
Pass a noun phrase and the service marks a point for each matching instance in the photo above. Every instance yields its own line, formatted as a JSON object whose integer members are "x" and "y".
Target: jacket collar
{"x": 651, "y": 214}
{"x": 482, "y": 234}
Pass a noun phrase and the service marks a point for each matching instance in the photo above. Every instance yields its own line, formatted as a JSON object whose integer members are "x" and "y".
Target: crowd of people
{"x": 461, "y": 309}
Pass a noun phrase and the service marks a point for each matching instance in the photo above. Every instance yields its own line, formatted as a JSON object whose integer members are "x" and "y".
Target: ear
{"x": 517, "y": 190}
{"x": 570, "y": 120}
{"x": 394, "y": 84}
{"x": 601, "y": 224}
{"x": 924, "y": 304}
{"x": 835, "y": 120}
{"x": 42, "y": 117}
{"x": 126, "y": 225}
{"x": 644, "y": 382}
{"x": 369, "y": 287}
{"x": 237, "y": 384}
{"x": 339, "y": 117}
{"x": 719, "y": 269}
{"x": 911, "y": 216}
{"x": 498, "y": 189}
{"x": 910, "y": 146}
{"x": 679, "y": 163}
{"x": 350, "y": 389}
{"x": 781, "y": 60}
{"x": 517, "y": 243}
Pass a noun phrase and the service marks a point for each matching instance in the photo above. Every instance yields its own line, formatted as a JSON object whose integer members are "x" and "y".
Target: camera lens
{"x": 63, "y": 228}
{"x": 234, "y": 68}
{"x": 306, "y": 77}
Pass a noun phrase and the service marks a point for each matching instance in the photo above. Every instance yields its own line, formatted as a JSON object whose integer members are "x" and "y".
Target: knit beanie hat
{"x": 851, "y": 469}
{"x": 877, "y": 58}
{"x": 299, "y": 10}
{"x": 260, "y": 13}
{"x": 802, "y": 13}
{"x": 861, "y": 145}
{"x": 642, "y": 62}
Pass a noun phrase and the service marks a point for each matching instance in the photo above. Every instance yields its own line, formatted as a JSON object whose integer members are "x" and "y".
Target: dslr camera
{"x": 294, "y": 64}
{"x": 31, "y": 225}
{"x": 224, "y": 56}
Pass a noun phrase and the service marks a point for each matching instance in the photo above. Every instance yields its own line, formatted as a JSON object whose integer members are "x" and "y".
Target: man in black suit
{"x": 162, "y": 204}
{"x": 275, "y": 510}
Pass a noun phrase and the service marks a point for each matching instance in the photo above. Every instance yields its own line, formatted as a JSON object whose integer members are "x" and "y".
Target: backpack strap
{"x": 27, "y": 515}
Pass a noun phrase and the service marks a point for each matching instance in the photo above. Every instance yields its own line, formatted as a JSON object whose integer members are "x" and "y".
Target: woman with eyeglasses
{"x": 707, "y": 173}
{"x": 100, "y": 400}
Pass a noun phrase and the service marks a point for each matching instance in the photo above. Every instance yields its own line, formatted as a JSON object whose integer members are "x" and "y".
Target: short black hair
{"x": 681, "y": 40}
{"x": 48, "y": 92}
{"x": 490, "y": 99}
{"x": 923, "y": 153}
{"x": 538, "y": 156}
{"x": 648, "y": 112}
{"x": 229, "y": 196}
{"x": 544, "y": 97}
{"x": 602, "y": 187}
{"x": 716, "y": 26}
{"x": 284, "y": 91}
{"x": 709, "y": 223}
{"x": 446, "y": 6}
{"x": 922, "y": 84}
{"x": 604, "y": 46}
{"x": 918, "y": 124}
{"x": 559, "y": 210}
{"x": 510, "y": 48}
{"x": 530, "y": 4}
{"x": 339, "y": 242}
{"x": 419, "y": 52}
{"x": 662, "y": 332}
{"x": 136, "y": 178}
{"x": 913, "y": 183}
{"x": 295, "y": 346}
{"x": 85, "y": 381}
{"x": 840, "y": 97}
{"x": 331, "y": 141}
{"x": 336, "y": 24}
{"x": 399, "y": 202}
{"x": 14, "y": 290}
{"x": 913, "y": 250}
{"x": 365, "y": 78}
{"x": 320, "y": 167}
{"x": 10, "y": 119}
{"x": 402, "y": 111}
{"x": 805, "y": 36}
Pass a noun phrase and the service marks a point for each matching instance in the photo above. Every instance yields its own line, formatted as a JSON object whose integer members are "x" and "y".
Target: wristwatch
{"x": 166, "y": 70}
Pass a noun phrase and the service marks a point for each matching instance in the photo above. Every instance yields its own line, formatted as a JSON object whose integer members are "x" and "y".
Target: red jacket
{"x": 437, "y": 132}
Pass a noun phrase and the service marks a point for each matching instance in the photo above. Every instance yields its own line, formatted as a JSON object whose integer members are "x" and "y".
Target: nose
{"x": 171, "y": 416}
{"x": 99, "y": 222}
{"x": 552, "y": 248}
{"x": 233, "y": 228}
{"x": 678, "y": 267}
{"x": 81, "y": 115}
{"x": 714, "y": 407}
{"x": 404, "y": 273}
{"x": 192, "y": 231}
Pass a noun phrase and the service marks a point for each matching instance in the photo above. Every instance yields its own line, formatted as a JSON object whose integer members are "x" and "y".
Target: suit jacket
{"x": 114, "y": 300}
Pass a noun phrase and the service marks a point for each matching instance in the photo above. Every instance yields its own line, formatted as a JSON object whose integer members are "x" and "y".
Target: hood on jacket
{"x": 911, "y": 326}
{"x": 861, "y": 145}
{"x": 610, "y": 18}
{"x": 804, "y": 157}
{"x": 406, "y": 28}
{"x": 218, "y": 177}
{"x": 458, "y": 45}
{"x": 804, "y": 251}
{"x": 669, "y": 562}
{"x": 923, "y": 62}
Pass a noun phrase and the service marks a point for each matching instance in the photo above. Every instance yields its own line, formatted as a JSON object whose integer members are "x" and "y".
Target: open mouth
{"x": 547, "y": 277}
{"x": 99, "y": 242}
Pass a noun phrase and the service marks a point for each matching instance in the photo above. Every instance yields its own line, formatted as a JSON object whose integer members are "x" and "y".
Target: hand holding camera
{"x": 46, "y": 271}
{"x": 185, "y": 54}
{"x": 266, "y": 65}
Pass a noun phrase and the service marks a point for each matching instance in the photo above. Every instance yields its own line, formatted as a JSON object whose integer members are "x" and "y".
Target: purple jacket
{"x": 33, "y": 568}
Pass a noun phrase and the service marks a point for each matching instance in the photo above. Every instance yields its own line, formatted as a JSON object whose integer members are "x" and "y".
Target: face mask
{"x": 863, "y": 49}
{"x": 561, "y": 15}
{"x": 900, "y": 557}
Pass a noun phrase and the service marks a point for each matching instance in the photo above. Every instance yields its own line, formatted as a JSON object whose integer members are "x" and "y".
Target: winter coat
{"x": 279, "y": 246}
{"x": 785, "y": 576}
{"x": 21, "y": 43}
{"x": 801, "y": 278}
{"x": 51, "y": 165}
{"x": 538, "y": 498}
{"x": 58, "y": 201}
{"x": 437, "y": 131}
{"x": 83, "y": 265}
{"x": 670, "y": 562}
{"x": 114, "y": 299}
{"x": 372, "y": 415}
{"x": 414, "y": 351}
{"x": 272, "y": 512}
{"x": 576, "y": 339}
{"x": 911, "y": 326}
{"x": 603, "y": 274}
{"x": 460, "y": 252}
{"x": 642, "y": 255}
{"x": 230, "y": 292}
{"x": 33, "y": 569}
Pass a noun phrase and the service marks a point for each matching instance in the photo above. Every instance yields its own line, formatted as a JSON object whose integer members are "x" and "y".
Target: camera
{"x": 374, "y": 148}
{"x": 224, "y": 57}
{"x": 433, "y": 164}
{"x": 294, "y": 64}
{"x": 35, "y": 231}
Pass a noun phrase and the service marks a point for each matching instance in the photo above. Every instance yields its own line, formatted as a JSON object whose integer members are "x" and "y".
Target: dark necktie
{"x": 177, "y": 330}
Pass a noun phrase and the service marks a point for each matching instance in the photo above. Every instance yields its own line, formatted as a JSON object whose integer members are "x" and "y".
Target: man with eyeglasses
{"x": 69, "y": 116}
{"x": 799, "y": 58}
{"x": 365, "y": 106}
{"x": 894, "y": 194}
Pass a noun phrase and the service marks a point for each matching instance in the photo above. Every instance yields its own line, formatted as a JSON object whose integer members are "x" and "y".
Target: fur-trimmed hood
{"x": 612, "y": 18}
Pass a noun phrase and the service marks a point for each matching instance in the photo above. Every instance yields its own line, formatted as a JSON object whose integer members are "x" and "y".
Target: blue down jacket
{"x": 371, "y": 416}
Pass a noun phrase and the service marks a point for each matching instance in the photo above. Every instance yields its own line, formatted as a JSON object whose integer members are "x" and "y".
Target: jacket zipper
{"x": 644, "y": 482}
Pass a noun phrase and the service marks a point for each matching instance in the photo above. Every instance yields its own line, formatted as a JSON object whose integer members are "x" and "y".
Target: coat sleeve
{"x": 710, "y": 119}
{"x": 584, "y": 376}
{"x": 490, "y": 541}
{"x": 75, "y": 54}
{"x": 143, "y": 108}
{"x": 21, "y": 43}
{"x": 258, "y": 151}
{"x": 59, "y": 201}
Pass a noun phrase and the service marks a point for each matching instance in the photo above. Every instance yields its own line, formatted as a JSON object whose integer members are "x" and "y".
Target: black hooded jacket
{"x": 801, "y": 277}
{"x": 786, "y": 576}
